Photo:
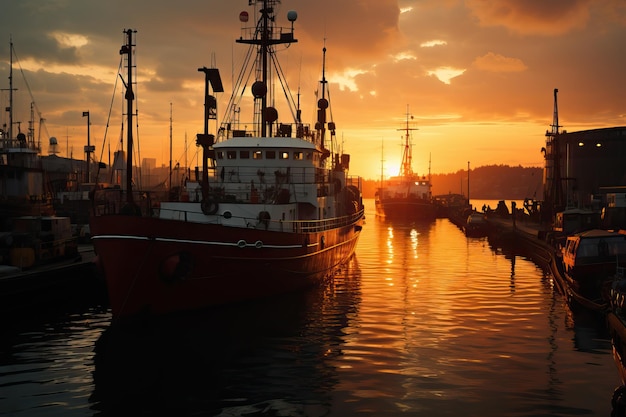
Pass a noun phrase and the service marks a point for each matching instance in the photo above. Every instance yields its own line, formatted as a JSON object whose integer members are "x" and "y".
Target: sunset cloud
{"x": 69, "y": 40}
{"x": 446, "y": 74}
{"x": 498, "y": 63}
{"x": 493, "y": 65}
{"x": 401, "y": 56}
{"x": 430, "y": 44}
{"x": 533, "y": 17}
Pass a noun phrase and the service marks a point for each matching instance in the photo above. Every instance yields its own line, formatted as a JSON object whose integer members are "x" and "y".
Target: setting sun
{"x": 478, "y": 87}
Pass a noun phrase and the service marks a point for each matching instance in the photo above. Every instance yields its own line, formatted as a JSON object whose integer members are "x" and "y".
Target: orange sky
{"x": 477, "y": 76}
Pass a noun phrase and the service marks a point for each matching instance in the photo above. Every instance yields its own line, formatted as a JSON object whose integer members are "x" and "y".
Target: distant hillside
{"x": 491, "y": 182}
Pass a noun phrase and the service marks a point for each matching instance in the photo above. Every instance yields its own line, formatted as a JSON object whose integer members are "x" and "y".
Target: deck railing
{"x": 113, "y": 201}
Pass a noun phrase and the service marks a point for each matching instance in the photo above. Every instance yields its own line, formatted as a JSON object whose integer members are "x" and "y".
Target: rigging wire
{"x": 136, "y": 142}
{"x": 283, "y": 82}
{"x": 30, "y": 93}
{"x": 106, "y": 128}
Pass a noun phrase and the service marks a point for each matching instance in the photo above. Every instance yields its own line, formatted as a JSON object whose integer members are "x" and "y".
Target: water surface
{"x": 421, "y": 322}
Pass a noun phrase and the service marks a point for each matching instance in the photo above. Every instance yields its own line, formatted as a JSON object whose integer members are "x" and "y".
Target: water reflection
{"x": 269, "y": 357}
{"x": 473, "y": 331}
{"x": 45, "y": 361}
{"x": 422, "y": 322}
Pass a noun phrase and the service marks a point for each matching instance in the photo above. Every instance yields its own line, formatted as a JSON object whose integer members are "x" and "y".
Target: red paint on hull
{"x": 187, "y": 266}
{"x": 407, "y": 209}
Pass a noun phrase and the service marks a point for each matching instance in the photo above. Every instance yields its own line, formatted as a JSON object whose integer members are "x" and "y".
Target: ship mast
{"x": 130, "y": 96}
{"x": 9, "y": 131}
{"x": 323, "y": 104}
{"x": 406, "y": 168}
{"x": 11, "y": 90}
{"x": 265, "y": 41}
{"x": 554, "y": 191}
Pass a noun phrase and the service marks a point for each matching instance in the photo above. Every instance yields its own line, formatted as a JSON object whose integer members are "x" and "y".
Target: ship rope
{"x": 136, "y": 142}
{"x": 235, "y": 100}
{"x": 283, "y": 82}
{"x": 30, "y": 93}
{"x": 106, "y": 127}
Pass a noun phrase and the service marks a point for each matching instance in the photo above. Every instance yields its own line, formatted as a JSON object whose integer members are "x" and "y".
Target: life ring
{"x": 209, "y": 206}
{"x": 176, "y": 267}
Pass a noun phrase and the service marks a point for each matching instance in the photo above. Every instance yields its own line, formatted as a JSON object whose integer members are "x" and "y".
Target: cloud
{"x": 432, "y": 43}
{"x": 446, "y": 74}
{"x": 478, "y": 60}
{"x": 69, "y": 40}
{"x": 533, "y": 17}
{"x": 497, "y": 63}
{"x": 401, "y": 56}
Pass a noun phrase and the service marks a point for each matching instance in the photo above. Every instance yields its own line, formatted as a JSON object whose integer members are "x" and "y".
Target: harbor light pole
{"x": 468, "y": 175}
{"x": 88, "y": 149}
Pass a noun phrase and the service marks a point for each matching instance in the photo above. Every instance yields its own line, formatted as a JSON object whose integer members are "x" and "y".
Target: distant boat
{"x": 271, "y": 213}
{"x": 407, "y": 196}
{"x": 476, "y": 225}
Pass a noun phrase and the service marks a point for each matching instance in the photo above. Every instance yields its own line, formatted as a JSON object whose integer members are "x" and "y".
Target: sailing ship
{"x": 407, "y": 196}
{"x": 271, "y": 213}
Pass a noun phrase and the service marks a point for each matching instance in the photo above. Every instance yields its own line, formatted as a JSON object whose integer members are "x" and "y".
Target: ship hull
{"x": 406, "y": 209}
{"x": 156, "y": 266}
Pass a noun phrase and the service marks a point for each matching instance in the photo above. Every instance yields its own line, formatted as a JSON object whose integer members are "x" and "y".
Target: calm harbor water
{"x": 421, "y": 322}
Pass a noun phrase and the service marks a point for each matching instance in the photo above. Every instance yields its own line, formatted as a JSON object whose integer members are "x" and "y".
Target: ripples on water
{"x": 421, "y": 322}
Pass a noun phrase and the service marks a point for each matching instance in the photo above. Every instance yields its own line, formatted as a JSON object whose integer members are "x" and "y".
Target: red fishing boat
{"x": 274, "y": 209}
{"x": 407, "y": 196}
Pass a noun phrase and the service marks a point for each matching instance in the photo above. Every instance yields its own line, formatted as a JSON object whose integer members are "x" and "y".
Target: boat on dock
{"x": 476, "y": 225}
{"x": 31, "y": 235}
{"x": 616, "y": 323}
{"x": 589, "y": 261}
{"x": 275, "y": 209}
{"x": 407, "y": 196}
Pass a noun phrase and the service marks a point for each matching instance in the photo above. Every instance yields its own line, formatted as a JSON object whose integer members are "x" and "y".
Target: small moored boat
{"x": 476, "y": 225}
{"x": 590, "y": 260}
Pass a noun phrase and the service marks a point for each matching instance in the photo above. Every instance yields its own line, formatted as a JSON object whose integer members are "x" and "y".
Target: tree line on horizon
{"x": 490, "y": 182}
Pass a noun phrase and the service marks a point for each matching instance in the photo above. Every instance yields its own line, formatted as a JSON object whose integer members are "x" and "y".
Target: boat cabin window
{"x": 220, "y": 154}
{"x": 602, "y": 247}
{"x": 283, "y": 155}
{"x": 270, "y": 154}
{"x": 231, "y": 154}
{"x": 257, "y": 155}
{"x": 309, "y": 156}
{"x": 244, "y": 154}
{"x": 298, "y": 156}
